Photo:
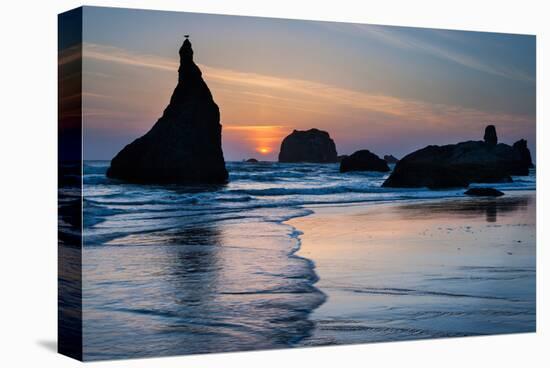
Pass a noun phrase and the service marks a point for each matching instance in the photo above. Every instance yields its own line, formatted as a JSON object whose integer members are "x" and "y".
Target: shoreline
{"x": 371, "y": 296}
{"x": 264, "y": 291}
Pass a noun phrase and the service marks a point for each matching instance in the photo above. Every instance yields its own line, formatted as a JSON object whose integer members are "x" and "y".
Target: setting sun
{"x": 255, "y": 139}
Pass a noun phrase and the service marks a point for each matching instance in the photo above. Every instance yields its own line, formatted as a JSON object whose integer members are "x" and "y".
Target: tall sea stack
{"x": 184, "y": 146}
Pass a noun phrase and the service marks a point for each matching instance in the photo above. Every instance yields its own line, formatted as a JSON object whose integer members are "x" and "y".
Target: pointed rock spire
{"x": 186, "y": 51}
{"x": 184, "y": 146}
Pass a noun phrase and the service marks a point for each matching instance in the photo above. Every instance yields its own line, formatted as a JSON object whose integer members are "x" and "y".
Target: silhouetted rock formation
{"x": 184, "y": 146}
{"x": 490, "y": 135}
{"x": 340, "y": 158}
{"x": 252, "y": 160}
{"x": 308, "y": 146}
{"x": 521, "y": 147}
{"x": 484, "y": 192}
{"x": 390, "y": 159}
{"x": 458, "y": 165}
{"x": 363, "y": 160}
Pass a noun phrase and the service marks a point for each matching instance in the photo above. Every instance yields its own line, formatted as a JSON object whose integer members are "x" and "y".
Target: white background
{"x": 28, "y": 144}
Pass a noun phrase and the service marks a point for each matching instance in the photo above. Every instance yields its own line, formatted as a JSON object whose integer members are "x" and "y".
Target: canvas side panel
{"x": 70, "y": 183}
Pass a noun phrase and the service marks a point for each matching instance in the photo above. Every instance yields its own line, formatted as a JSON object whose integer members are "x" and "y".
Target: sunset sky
{"x": 387, "y": 89}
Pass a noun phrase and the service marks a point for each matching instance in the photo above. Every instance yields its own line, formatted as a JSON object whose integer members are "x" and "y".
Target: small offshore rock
{"x": 484, "y": 192}
{"x": 363, "y": 160}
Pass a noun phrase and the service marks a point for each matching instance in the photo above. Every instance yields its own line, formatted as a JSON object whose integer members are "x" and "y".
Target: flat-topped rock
{"x": 184, "y": 145}
{"x": 363, "y": 160}
{"x": 311, "y": 145}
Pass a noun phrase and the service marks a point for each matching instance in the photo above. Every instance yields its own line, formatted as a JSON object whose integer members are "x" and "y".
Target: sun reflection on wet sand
{"x": 422, "y": 270}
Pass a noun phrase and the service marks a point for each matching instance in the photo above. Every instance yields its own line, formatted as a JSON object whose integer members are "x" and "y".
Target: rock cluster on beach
{"x": 363, "y": 160}
{"x": 184, "y": 146}
{"x": 311, "y": 145}
{"x": 458, "y": 165}
{"x": 484, "y": 192}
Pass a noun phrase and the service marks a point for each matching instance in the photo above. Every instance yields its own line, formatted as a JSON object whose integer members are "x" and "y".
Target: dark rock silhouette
{"x": 458, "y": 165}
{"x": 363, "y": 160}
{"x": 521, "y": 147}
{"x": 184, "y": 146}
{"x": 312, "y": 145}
{"x": 490, "y": 135}
{"x": 390, "y": 159}
{"x": 484, "y": 192}
{"x": 433, "y": 176}
{"x": 252, "y": 160}
{"x": 341, "y": 157}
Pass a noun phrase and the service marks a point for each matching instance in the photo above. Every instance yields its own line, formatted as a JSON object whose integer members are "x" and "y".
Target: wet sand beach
{"x": 423, "y": 269}
{"x": 288, "y": 255}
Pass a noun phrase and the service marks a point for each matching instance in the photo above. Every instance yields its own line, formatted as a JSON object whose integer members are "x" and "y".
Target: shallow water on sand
{"x": 172, "y": 270}
{"x": 429, "y": 269}
{"x": 197, "y": 290}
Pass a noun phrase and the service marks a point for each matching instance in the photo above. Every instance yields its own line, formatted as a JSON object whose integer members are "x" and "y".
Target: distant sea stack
{"x": 312, "y": 145}
{"x": 390, "y": 159}
{"x": 458, "y": 165}
{"x": 184, "y": 146}
{"x": 363, "y": 160}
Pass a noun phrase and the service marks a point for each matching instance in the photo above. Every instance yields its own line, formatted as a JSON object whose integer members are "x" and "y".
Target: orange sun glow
{"x": 262, "y": 139}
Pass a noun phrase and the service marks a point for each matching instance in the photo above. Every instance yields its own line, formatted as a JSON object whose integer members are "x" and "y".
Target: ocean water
{"x": 182, "y": 270}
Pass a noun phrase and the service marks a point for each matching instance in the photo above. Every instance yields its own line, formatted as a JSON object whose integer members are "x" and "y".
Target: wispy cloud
{"x": 408, "y": 42}
{"x": 69, "y": 55}
{"x": 317, "y": 97}
{"x": 121, "y": 56}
